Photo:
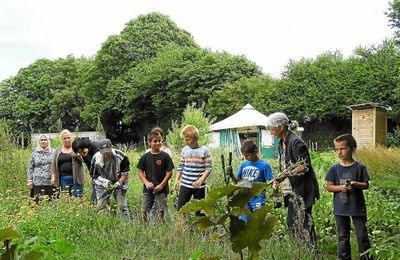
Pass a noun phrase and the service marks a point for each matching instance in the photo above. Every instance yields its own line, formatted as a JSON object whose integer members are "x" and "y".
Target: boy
{"x": 347, "y": 180}
{"x": 155, "y": 169}
{"x": 254, "y": 170}
{"x": 194, "y": 167}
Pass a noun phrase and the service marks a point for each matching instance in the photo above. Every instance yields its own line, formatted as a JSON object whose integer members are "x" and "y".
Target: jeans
{"x": 67, "y": 184}
{"x": 103, "y": 200}
{"x": 343, "y": 234}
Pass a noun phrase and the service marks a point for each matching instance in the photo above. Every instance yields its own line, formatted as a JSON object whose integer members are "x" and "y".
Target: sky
{"x": 269, "y": 33}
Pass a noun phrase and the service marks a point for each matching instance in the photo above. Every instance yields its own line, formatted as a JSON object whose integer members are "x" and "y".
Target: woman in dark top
{"x": 66, "y": 167}
{"x": 301, "y": 190}
{"x": 86, "y": 149}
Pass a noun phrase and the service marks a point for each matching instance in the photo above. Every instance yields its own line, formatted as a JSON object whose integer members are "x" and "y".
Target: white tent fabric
{"x": 247, "y": 116}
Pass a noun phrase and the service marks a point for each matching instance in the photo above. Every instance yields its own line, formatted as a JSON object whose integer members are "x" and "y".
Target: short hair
{"x": 65, "y": 132}
{"x": 280, "y": 120}
{"x": 81, "y": 143}
{"x": 153, "y": 135}
{"x": 190, "y": 131}
{"x": 249, "y": 146}
{"x": 158, "y": 130}
{"x": 348, "y": 138}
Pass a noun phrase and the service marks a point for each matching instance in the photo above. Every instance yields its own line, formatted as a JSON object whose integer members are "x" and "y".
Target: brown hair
{"x": 348, "y": 138}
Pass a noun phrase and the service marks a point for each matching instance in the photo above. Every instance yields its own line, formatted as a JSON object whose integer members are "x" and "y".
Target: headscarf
{"x": 39, "y": 148}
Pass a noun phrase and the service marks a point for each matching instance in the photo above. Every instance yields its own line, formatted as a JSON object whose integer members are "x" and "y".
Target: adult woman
{"x": 86, "y": 149}
{"x": 39, "y": 167}
{"x": 66, "y": 167}
{"x": 301, "y": 190}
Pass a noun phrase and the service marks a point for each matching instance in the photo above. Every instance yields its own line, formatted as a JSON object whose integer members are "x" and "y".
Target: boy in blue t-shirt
{"x": 253, "y": 170}
{"x": 347, "y": 180}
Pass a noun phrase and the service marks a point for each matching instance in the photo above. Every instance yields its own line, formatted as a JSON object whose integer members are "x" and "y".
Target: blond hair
{"x": 190, "y": 131}
{"x": 64, "y": 133}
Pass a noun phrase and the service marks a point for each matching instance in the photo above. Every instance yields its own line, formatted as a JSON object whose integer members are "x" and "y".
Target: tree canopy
{"x": 149, "y": 73}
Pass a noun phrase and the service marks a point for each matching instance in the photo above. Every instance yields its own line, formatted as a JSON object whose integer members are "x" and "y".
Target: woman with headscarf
{"x": 39, "y": 169}
{"x": 66, "y": 167}
{"x": 300, "y": 190}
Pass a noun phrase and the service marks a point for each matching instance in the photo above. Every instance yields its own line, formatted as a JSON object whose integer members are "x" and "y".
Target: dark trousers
{"x": 343, "y": 234}
{"x": 185, "y": 194}
{"x": 300, "y": 221}
{"x": 37, "y": 192}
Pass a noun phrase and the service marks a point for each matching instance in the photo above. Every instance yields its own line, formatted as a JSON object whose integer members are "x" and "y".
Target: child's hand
{"x": 176, "y": 185}
{"x": 346, "y": 188}
{"x": 149, "y": 185}
{"x": 197, "y": 183}
{"x": 275, "y": 185}
{"x": 158, "y": 188}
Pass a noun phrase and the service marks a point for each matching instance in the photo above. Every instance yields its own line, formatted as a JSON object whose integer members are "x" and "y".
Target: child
{"x": 253, "y": 170}
{"x": 347, "y": 180}
{"x": 195, "y": 165}
{"x": 155, "y": 169}
{"x": 163, "y": 147}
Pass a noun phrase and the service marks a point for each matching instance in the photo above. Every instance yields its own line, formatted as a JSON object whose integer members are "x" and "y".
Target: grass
{"x": 103, "y": 236}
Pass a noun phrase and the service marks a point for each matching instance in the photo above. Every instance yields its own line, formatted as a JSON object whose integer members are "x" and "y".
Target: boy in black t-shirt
{"x": 347, "y": 180}
{"x": 155, "y": 169}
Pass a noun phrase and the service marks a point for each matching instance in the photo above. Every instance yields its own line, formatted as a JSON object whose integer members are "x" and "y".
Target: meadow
{"x": 70, "y": 228}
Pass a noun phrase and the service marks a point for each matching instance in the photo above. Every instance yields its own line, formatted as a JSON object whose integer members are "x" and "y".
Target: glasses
{"x": 43, "y": 139}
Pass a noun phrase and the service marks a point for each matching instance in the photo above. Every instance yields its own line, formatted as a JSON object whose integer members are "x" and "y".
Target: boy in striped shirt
{"x": 195, "y": 165}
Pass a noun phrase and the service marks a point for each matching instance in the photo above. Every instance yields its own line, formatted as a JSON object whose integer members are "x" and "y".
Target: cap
{"x": 105, "y": 146}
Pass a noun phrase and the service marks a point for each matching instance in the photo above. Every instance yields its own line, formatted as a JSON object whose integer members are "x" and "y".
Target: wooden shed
{"x": 369, "y": 124}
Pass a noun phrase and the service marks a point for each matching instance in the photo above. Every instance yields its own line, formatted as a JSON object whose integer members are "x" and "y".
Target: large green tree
{"x": 42, "y": 95}
{"x": 141, "y": 39}
{"x": 157, "y": 90}
{"x": 394, "y": 17}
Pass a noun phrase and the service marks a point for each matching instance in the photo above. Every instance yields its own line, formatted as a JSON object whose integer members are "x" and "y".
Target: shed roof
{"x": 247, "y": 116}
{"x": 369, "y": 105}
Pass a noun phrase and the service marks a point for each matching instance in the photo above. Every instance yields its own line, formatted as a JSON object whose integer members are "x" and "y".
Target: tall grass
{"x": 101, "y": 235}
{"x": 383, "y": 165}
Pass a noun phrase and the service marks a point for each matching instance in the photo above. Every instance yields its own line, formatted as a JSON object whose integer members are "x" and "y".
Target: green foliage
{"x": 191, "y": 116}
{"x": 233, "y": 96}
{"x": 141, "y": 39}
{"x": 43, "y": 94}
{"x": 394, "y": 17}
{"x": 393, "y": 139}
{"x": 241, "y": 234}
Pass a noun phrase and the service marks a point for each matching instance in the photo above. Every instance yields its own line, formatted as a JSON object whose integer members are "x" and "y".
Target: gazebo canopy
{"x": 246, "y": 117}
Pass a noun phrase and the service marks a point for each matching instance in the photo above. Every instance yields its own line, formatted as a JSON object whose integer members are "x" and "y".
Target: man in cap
{"x": 110, "y": 169}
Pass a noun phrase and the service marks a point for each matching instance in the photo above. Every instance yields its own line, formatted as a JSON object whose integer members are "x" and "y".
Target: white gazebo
{"x": 247, "y": 123}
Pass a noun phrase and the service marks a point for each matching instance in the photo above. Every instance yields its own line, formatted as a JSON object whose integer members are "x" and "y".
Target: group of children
{"x": 346, "y": 180}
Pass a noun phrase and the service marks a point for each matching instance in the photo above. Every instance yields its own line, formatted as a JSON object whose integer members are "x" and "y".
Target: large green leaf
{"x": 222, "y": 191}
{"x": 251, "y": 233}
{"x": 242, "y": 198}
{"x": 205, "y": 222}
{"x": 62, "y": 247}
{"x": 194, "y": 205}
{"x": 33, "y": 255}
{"x": 8, "y": 234}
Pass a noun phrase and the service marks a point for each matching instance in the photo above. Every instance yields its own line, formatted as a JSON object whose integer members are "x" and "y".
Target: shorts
{"x": 159, "y": 200}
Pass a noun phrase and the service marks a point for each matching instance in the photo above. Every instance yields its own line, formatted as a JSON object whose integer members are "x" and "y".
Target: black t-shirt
{"x": 155, "y": 167}
{"x": 65, "y": 164}
{"x": 351, "y": 203}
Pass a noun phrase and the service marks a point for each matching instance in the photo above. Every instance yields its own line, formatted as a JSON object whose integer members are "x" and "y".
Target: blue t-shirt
{"x": 258, "y": 171}
{"x": 351, "y": 203}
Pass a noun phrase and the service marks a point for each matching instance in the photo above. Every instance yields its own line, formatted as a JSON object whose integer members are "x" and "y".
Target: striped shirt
{"x": 193, "y": 163}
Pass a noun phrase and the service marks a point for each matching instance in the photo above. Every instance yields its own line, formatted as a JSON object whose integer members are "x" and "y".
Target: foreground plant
{"x": 241, "y": 234}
